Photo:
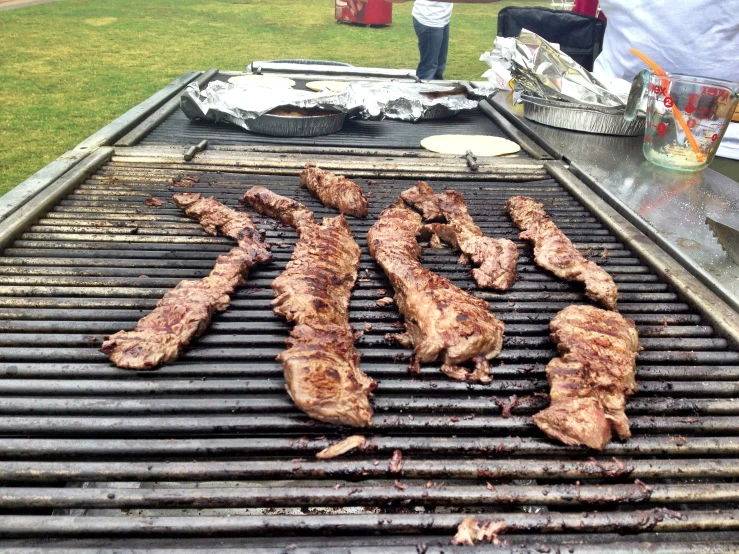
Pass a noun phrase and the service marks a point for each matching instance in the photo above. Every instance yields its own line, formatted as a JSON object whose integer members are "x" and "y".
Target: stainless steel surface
{"x": 237, "y": 160}
{"x": 669, "y": 206}
{"x": 580, "y": 117}
{"x": 526, "y": 143}
{"x": 719, "y": 314}
{"x": 328, "y": 70}
{"x": 727, "y": 237}
{"x": 308, "y": 126}
{"x": 30, "y": 210}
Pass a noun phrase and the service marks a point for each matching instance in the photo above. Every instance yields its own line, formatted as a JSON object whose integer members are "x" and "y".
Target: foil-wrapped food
{"x": 248, "y": 106}
{"x": 264, "y": 109}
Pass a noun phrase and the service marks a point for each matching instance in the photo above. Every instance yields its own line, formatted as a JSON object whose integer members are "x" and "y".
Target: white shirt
{"x": 695, "y": 37}
{"x": 432, "y": 14}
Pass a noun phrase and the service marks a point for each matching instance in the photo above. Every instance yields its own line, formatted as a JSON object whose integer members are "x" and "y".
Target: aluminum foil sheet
{"x": 540, "y": 69}
{"x": 407, "y": 101}
{"x": 580, "y": 117}
{"x": 242, "y": 104}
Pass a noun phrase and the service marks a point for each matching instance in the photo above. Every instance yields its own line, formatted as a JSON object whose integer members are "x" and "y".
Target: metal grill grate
{"x": 215, "y": 434}
{"x": 177, "y": 129}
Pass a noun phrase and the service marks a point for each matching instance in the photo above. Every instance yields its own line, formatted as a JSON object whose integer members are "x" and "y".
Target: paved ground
{"x": 10, "y": 4}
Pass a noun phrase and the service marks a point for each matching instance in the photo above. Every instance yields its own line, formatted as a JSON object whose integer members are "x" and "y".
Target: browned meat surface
{"x": 472, "y": 531}
{"x": 593, "y": 377}
{"x": 554, "y": 251}
{"x": 321, "y": 365}
{"x": 341, "y": 448}
{"x": 442, "y": 321}
{"x": 185, "y": 312}
{"x": 334, "y": 190}
{"x": 496, "y": 258}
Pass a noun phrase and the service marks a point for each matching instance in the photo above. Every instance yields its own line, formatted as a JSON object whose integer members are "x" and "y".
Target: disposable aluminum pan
{"x": 290, "y": 126}
{"x": 581, "y": 117}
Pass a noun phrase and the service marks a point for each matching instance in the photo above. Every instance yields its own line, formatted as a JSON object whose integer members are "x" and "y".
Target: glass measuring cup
{"x": 686, "y": 117}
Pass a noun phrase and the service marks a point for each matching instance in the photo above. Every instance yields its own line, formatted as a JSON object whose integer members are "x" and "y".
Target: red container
{"x": 372, "y": 12}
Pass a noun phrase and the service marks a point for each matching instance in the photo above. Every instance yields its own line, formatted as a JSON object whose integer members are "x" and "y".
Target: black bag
{"x": 579, "y": 36}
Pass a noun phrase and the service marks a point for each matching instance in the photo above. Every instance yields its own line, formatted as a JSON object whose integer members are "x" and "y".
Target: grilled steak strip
{"x": 321, "y": 365}
{"x": 555, "y": 252}
{"x": 334, "y": 190}
{"x": 593, "y": 377}
{"x": 442, "y": 321}
{"x": 184, "y": 313}
{"x": 497, "y": 258}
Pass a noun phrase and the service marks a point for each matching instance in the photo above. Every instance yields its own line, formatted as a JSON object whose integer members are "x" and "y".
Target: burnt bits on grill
{"x": 472, "y": 531}
{"x": 555, "y": 252}
{"x": 321, "y": 365}
{"x": 496, "y": 258}
{"x": 593, "y": 377}
{"x": 185, "y": 312}
{"x": 335, "y": 191}
{"x": 442, "y": 321}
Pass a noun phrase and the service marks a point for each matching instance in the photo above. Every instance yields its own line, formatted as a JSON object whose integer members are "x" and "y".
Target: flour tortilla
{"x": 479, "y": 145}
{"x": 262, "y": 80}
{"x": 330, "y": 86}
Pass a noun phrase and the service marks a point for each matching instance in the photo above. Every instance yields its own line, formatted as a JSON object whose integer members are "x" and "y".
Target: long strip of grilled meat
{"x": 497, "y": 258}
{"x": 555, "y": 252}
{"x": 321, "y": 365}
{"x": 593, "y": 377}
{"x": 442, "y": 321}
{"x": 185, "y": 312}
{"x": 334, "y": 190}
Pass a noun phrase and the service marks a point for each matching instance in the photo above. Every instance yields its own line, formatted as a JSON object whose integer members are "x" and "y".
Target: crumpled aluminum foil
{"x": 239, "y": 104}
{"x": 542, "y": 70}
{"x": 406, "y": 101}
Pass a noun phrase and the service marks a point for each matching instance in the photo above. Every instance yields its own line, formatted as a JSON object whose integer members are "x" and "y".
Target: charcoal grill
{"x": 209, "y": 453}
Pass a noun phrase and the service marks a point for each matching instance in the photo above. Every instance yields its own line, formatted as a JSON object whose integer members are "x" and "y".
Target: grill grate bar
{"x": 19, "y": 526}
{"x": 372, "y": 496}
{"x": 481, "y": 470}
{"x": 490, "y": 404}
{"x": 209, "y": 370}
{"x": 65, "y": 426}
{"x": 492, "y": 448}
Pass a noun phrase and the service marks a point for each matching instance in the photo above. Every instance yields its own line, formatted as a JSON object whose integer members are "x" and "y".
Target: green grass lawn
{"x": 69, "y": 67}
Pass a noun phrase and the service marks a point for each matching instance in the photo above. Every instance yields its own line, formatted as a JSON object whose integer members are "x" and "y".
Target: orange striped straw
{"x": 678, "y": 115}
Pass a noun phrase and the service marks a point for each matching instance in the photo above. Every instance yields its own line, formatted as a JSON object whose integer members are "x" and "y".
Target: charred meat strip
{"x": 593, "y": 377}
{"x": 442, "y": 321}
{"x": 185, "y": 312}
{"x": 497, "y": 258}
{"x": 321, "y": 365}
{"x": 334, "y": 190}
{"x": 554, "y": 251}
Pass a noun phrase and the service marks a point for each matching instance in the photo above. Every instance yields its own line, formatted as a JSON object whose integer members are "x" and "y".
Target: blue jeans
{"x": 433, "y": 45}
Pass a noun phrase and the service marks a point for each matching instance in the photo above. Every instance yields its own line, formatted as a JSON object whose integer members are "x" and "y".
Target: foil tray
{"x": 288, "y": 126}
{"x": 581, "y": 117}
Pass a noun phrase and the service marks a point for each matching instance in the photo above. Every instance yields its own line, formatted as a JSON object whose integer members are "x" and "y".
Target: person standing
{"x": 431, "y": 22}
